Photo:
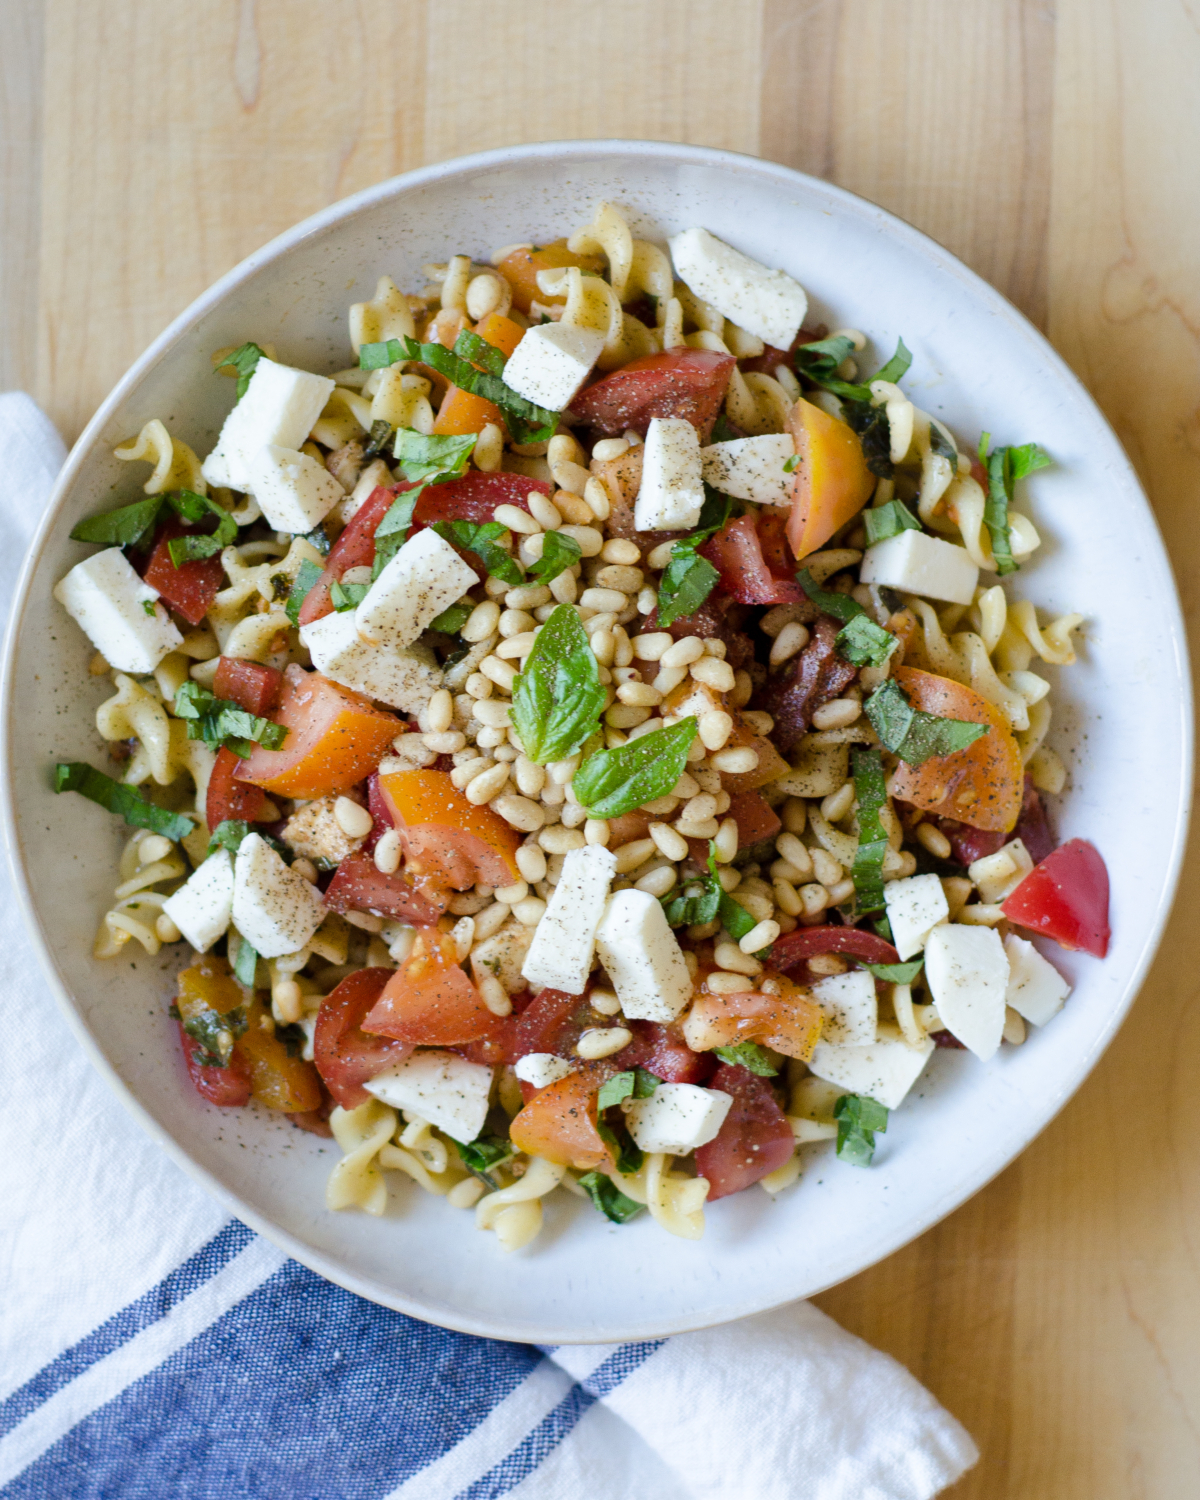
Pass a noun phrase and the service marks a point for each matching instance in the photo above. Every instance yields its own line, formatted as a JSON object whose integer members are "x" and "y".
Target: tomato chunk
{"x": 832, "y": 481}
{"x": 249, "y": 684}
{"x": 755, "y": 1139}
{"x": 1066, "y": 898}
{"x": 191, "y": 588}
{"x": 357, "y": 885}
{"x": 788, "y": 1019}
{"x": 277, "y": 1080}
{"x": 687, "y": 383}
{"x": 736, "y": 553}
{"x": 228, "y": 795}
{"x": 462, "y": 411}
{"x": 335, "y": 738}
{"x": 346, "y": 1057}
{"x": 209, "y": 986}
{"x": 447, "y": 840}
{"x": 559, "y": 1122}
{"x": 520, "y": 267}
{"x": 429, "y": 1001}
{"x": 807, "y": 942}
{"x": 355, "y": 548}
{"x": 662, "y": 1050}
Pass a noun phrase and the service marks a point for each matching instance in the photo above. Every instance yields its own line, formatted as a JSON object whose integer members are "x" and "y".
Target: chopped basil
{"x": 219, "y": 722}
{"x": 858, "y": 1119}
{"x": 245, "y": 361}
{"x": 318, "y": 537}
{"x": 452, "y": 620}
{"x": 613, "y": 782}
{"x": 723, "y": 431}
{"x": 392, "y": 532}
{"x": 559, "y": 553}
{"x": 421, "y": 456}
{"x": 819, "y": 362}
{"x": 557, "y": 700}
{"x": 864, "y": 643}
{"x": 943, "y": 445}
{"x": 380, "y": 356}
{"x": 482, "y": 1154}
{"x": 292, "y": 1037}
{"x": 697, "y": 903}
{"x": 883, "y": 929}
{"x": 637, "y": 1083}
{"x": 870, "y": 422}
{"x": 195, "y": 508}
{"x": 790, "y": 465}
{"x": 378, "y": 438}
{"x": 840, "y": 606}
{"x": 897, "y": 367}
{"x": 609, "y": 1198}
{"x": 737, "y": 921}
{"x": 481, "y": 538}
{"x": 888, "y": 520}
{"x": 215, "y": 1031}
{"x": 748, "y": 1055}
{"x": 625, "y": 1150}
{"x": 526, "y": 422}
{"x": 148, "y": 607}
{"x": 307, "y": 577}
{"x": 347, "y": 596}
{"x": 895, "y": 973}
{"x": 480, "y": 352}
{"x": 228, "y": 834}
{"x": 871, "y": 791}
{"x": 688, "y": 578}
{"x": 911, "y": 733}
{"x": 245, "y": 964}
{"x": 126, "y": 801}
{"x": 1004, "y": 468}
{"x": 120, "y": 528}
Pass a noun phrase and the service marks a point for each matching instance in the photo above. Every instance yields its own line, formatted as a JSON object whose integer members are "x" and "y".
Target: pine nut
{"x": 933, "y": 839}
{"x": 622, "y": 551}
{"x": 896, "y": 866}
{"x": 595, "y": 831}
{"x": 686, "y": 788}
{"x": 700, "y": 808}
{"x": 463, "y": 775}
{"x": 286, "y": 1001}
{"x": 646, "y": 600}
{"x": 574, "y": 508}
{"x": 478, "y": 686}
{"x": 559, "y": 840}
{"x": 354, "y": 821}
{"x": 462, "y": 934}
{"x": 839, "y": 713}
{"x": 719, "y": 983}
{"x": 518, "y": 812}
{"x": 494, "y": 995}
{"x": 366, "y": 921}
{"x": 589, "y": 538}
{"x": 494, "y": 712}
{"x": 758, "y": 722}
{"x": 683, "y": 653}
{"x": 502, "y": 673}
{"x": 795, "y": 814}
{"x": 511, "y": 894}
{"x": 625, "y": 716}
{"x": 736, "y": 761}
{"x": 531, "y": 777}
{"x": 706, "y": 829}
{"x": 743, "y": 689}
{"x": 669, "y": 843}
{"x": 565, "y": 587}
{"x": 487, "y": 785}
{"x": 622, "y": 579}
{"x": 530, "y": 911}
{"x": 815, "y": 899}
{"x": 604, "y": 646}
{"x": 165, "y": 929}
{"x": 597, "y": 499}
{"x": 658, "y": 882}
{"x": 481, "y": 622}
{"x": 787, "y": 898}
{"x": 605, "y": 620}
{"x": 835, "y": 807}
{"x": 491, "y": 739}
{"x": 736, "y": 960}
{"x": 650, "y": 647}
{"x": 305, "y": 869}
{"x": 515, "y": 647}
{"x": 531, "y": 861}
{"x": 661, "y": 556}
{"x": 827, "y": 869}
{"x": 561, "y": 771}
{"x": 982, "y": 914}
{"x": 782, "y": 869}
{"x": 602, "y": 1041}
{"x": 761, "y": 936}
{"x": 528, "y": 597}
{"x": 714, "y": 727}
{"x": 608, "y": 448}
{"x": 636, "y": 852}
{"x": 488, "y": 451}
{"x": 387, "y": 852}
{"x": 573, "y": 814}
{"x": 669, "y": 678}
{"x": 544, "y": 511}
{"x": 516, "y": 519}
{"x": 840, "y": 892}
{"x": 1014, "y": 1027}
{"x": 726, "y": 840}
{"x": 440, "y": 712}
{"x": 714, "y": 673}
{"x": 515, "y": 622}
{"x": 730, "y": 878}
{"x": 152, "y": 848}
{"x": 715, "y": 647}
{"x": 623, "y": 654}
{"x": 603, "y": 599}
{"x": 790, "y": 641}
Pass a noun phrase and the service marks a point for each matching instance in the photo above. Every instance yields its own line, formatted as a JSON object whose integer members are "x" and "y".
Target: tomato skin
{"x": 736, "y": 553}
{"x": 559, "y": 1122}
{"x": 520, "y": 267}
{"x": 755, "y": 1139}
{"x": 346, "y": 1057}
{"x": 249, "y": 684}
{"x": 429, "y": 1001}
{"x": 447, "y": 840}
{"x": 789, "y": 1019}
{"x": 228, "y": 796}
{"x": 277, "y": 1080}
{"x": 355, "y": 548}
{"x": 227, "y": 1087}
{"x": 687, "y": 383}
{"x": 661, "y": 1050}
{"x": 798, "y": 947}
{"x": 1033, "y": 829}
{"x": 191, "y": 588}
{"x": 1066, "y": 898}
{"x": 832, "y": 482}
{"x": 357, "y": 885}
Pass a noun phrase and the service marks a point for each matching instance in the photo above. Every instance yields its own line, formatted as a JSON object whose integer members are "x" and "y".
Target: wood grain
{"x": 149, "y": 144}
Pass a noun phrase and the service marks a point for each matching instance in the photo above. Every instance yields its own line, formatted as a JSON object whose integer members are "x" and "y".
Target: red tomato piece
{"x": 755, "y": 1139}
{"x": 228, "y": 1087}
{"x": 559, "y": 1122}
{"x": 357, "y": 885}
{"x": 687, "y": 383}
{"x": 230, "y": 797}
{"x": 355, "y": 548}
{"x": 807, "y": 942}
{"x": 756, "y": 820}
{"x": 554, "y": 1021}
{"x": 343, "y": 1052}
{"x": 430, "y": 1002}
{"x": 249, "y": 684}
{"x": 380, "y": 813}
{"x": 661, "y": 1050}
{"x": 968, "y": 844}
{"x": 1066, "y": 898}
{"x": 736, "y": 553}
{"x": 191, "y": 588}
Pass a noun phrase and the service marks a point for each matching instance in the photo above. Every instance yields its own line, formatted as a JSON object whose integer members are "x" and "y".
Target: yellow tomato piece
{"x": 520, "y": 267}
{"x": 447, "y": 837}
{"x": 832, "y": 481}
{"x": 276, "y": 1080}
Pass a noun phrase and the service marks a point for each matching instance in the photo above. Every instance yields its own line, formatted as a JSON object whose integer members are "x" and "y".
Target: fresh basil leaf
{"x": 609, "y": 1198}
{"x": 871, "y": 424}
{"x": 246, "y": 963}
{"x": 1004, "y": 467}
{"x": 195, "y": 508}
{"x": 481, "y": 539}
{"x": 626, "y": 1153}
{"x": 220, "y": 722}
{"x": 888, "y": 520}
{"x": 737, "y": 921}
{"x": 1027, "y": 459}
{"x": 911, "y": 733}
{"x": 557, "y": 700}
{"x": 307, "y": 577}
{"x": 897, "y": 367}
{"x": 858, "y": 1119}
{"x": 883, "y": 929}
{"x": 378, "y": 438}
{"x": 864, "y": 643}
{"x": 347, "y": 596}
{"x": 392, "y": 532}
{"x": 613, "y": 782}
{"x": 722, "y": 431}
{"x": 380, "y": 356}
{"x": 819, "y": 361}
{"x": 452, "y": 620}
{"x": 714, "y": 513}
{"x": 699, "y": 902}
{"x": 840, "y": 606}
{"x": 318, "y": 537}
{"x": 895, "y": 973}
{"x": 748, "y": 1055}
{"x": 228, "y": 834}
{"x": 526, "y": 422}
{"x": 482, "y": 1154}
{"x": 480, "y": 352}
{"x": 867, "y": 872}
{"x": 115, "y": 797}
{"x": 943, "y": 446}
{"x": 215, "y": 1031}
{"x": 559, "y": 553}
{"x": 120, "y": 528}
{"x": 686, "y": 583}
{"x": 245, "y": 361}
{"x": 636, "y": 1083}
{"x": 421, "y": 456}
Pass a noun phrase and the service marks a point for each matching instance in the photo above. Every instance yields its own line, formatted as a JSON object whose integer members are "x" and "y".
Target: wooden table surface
{"x": 148, "y": 145}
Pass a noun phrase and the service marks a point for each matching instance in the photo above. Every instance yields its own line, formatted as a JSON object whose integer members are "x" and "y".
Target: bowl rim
{"x": 987, "y": 1166}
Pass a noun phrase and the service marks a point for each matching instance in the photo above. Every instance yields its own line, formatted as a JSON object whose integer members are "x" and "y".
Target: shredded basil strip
{"x": 688, "y": 578}
{"x": 1004, "y": 468}
{"x": 637, "y": 1083}
{"x": 888, "y": 520}
{"x": 867, "y": 872}
{"x": 698, "y": 902}
{"x": 864, "y": 643}
{"x": 220, "y": 722}
{"x": 120, "y": 528}
{"x": 840, "y": 606}
{"x": 557, "y": 699}
{"x": 871, "y": 424}
{"x": 347, "y": 596}
{"x": 482, "y": 1154}
{"x": 895, "y": 973}
{"x": 858, "y": 1119}
{"x": 608, "y": 1198}
{"x": 215, "y": 1032}
{"x": 245, "y": 361}
{"x": 625, "y": 1151}
{"x": 115, "y": 797}
{"x": 482, "y": 539}
{"x": 911, "y": 733}
{"x": 228, "y": 834}
{"x": 452, "y": 620}
{"x": 612, "y": 782}
{"x": 307, "y": 577}
{"x": 480, "y": 352}
{"x": 246, "y": 963}
{"x": 195, "y": 508}
{"x": 897, "y": 367}
{"x": 421, "y": 456}
{"x": 748, "y": 1055}
{"x": 558, "y": 554}
{"x": 392, "y": 532}
{"x": 526, "y": 422}
{"x": 819, "y": 362}
{"x": 380, "y": 356}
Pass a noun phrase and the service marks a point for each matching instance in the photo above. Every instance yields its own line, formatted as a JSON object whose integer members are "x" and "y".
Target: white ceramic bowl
{"x": 1123, "y": 723}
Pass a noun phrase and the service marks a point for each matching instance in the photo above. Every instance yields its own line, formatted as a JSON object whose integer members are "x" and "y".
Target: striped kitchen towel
{"x": 152, "y": 1348}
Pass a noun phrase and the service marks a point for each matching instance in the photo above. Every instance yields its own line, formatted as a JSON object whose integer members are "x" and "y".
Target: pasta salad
{"x": 586, "y": 743}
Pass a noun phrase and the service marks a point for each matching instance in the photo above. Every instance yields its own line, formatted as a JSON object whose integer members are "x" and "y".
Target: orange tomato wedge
{"x": 559, "y": 1122}
{"x": 447, "y": 840}
{"x": 789, "y": 1020}
{"x": 982, "y": 785}
{"x": 832, "y": 481}
{"x": 520, "y": 267}
{"x": 461, "y": 411}
{"x": 429, "y": 1001}
{"x": 276, "y": 1080}
{"x": 501, "y": 332}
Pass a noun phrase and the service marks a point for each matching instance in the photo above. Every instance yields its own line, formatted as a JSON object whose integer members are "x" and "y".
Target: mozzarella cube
{"x": 502, "y": 955}
{"x": 108, "y": 601}
{"x": 751, "y": 468}
{"x": 967, "y": 972}
{"x": 280, "y": 407}
{"x": 401, "y": 679}
{"x": 672, "y": 491}
{"x": 884, "y": 1071}
{"x": 274, "y": 908}
{"x": 441, "y": 1087}
{"x": 1036, "y": 990}
{"x": 921, "y": 564}
{"x": 915, "y": 906}
{"x": 425, "y": 577}
{"x": 642, "y": 958}
{"x": 564, "y": 942}
{"x": 768, "y": 303}
{"x": 202, "y": 906}
{"x": 551, "y": 362}
{"x": 998, "y": 875}
{"x": 294, "y": 492}
{"x": 850, "y": 1006}
{"x": 541, "y": 1069}
{"x": 677, "y": 1117}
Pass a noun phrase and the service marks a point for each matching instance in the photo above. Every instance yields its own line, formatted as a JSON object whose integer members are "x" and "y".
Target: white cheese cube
{"x": 402, "y": 679}
{"x": 921, "y": 564}
{"x": 564, "y": 942}
{"x": 850, "y": 1006}
{"x": 280, "y": 407}
{"x": 202, "y": 906}
{"x": 642, "y": 958}
{"x": 425, "y": 577}
{"x": 768, "y": 303}
{"x": 551, "y": 362}
{"x": 502, "y": 955}
{"x": 884, "y": 1071}
{"x": 967, "y": 972}
{"x": 117, "y": 612}
{"x": 274, "y": 908}
{"x": 752, "y": 468}
{"x": 294, "y": 492}
{"x": 915, "y": 906}
{"x": 672, "y": 489}
{"x": 541, "y": 1069}
{"x": 441, "y": 1087}
{"x": 998, "y": 875}
{"x": 1036, "y": 990}
{"x": 677, "y": 1117}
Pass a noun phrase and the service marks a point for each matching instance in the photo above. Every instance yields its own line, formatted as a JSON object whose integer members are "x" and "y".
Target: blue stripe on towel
{"x": 627, "y": 1359}
{"x": 530, "y": 1452}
